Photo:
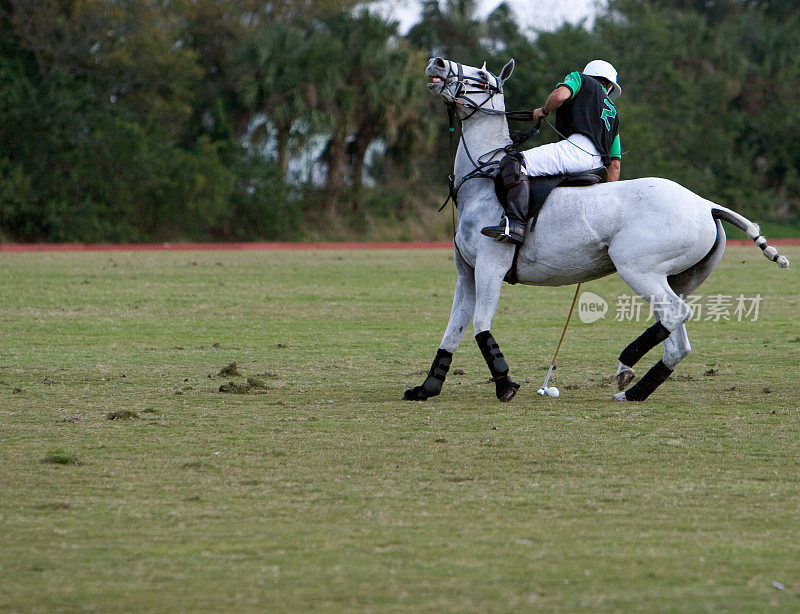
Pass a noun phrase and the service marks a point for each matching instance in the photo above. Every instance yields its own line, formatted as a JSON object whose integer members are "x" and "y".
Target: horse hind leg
{"x": 676, "y": 345}
{"x": 672, "y": 312}
{"x": 676, "y": 348}
{"x": 636, "y": 350}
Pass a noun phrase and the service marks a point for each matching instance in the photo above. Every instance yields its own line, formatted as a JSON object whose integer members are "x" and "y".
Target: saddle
{"x": 540, "y": 188}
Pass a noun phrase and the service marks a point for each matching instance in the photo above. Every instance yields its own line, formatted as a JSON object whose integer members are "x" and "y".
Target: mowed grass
{"x": 317, "y": 489}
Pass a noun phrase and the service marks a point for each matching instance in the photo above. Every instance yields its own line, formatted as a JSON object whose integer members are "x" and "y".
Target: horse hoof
{"x": 624, "y": 378}
{"x": 507, "y": 393}
{"x": 415, "y": 394}
{"x": 620, "y": 396}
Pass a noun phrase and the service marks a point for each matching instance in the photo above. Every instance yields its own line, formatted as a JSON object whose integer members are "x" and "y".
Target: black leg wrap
{"x": 643, "y": 344}
{"x": 438, "y": 373}
{"x": 651, "y": 380}
{"x": 491, "y": 354}
{"x": 433, "y": 383}
{"x": 505, "y": 389}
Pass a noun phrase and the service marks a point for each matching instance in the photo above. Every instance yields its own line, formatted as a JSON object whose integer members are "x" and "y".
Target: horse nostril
{"x": 439, "y": 62}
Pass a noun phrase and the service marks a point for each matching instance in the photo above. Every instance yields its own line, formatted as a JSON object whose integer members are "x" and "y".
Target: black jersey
{"x": 589, "y": 111}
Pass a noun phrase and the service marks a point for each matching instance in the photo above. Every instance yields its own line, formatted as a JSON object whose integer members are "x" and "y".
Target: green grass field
{"x": 131, "y": 483}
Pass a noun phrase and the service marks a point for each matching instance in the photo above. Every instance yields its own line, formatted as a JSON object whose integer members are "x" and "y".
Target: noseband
{"x": 462, "y": 90}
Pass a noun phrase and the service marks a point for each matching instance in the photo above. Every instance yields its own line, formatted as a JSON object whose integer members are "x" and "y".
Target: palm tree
{"x": 277, "y": 64}
{"x": 383, "y": 96}
{"x": 454, "y": 32}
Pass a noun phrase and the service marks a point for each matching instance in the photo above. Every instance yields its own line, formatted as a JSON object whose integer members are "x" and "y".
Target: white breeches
{"x": 573, "y": 155}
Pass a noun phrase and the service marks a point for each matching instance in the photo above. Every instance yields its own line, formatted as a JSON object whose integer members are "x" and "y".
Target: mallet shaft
{"x": 543, "y": 389}
{"x": 564, "y": 332}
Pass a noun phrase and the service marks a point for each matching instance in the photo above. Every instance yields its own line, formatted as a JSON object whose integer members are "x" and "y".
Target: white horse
{"x": 662, "y": 239}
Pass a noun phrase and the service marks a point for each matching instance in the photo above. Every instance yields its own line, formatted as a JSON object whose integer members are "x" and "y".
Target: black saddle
{"x": 541, "y": 187}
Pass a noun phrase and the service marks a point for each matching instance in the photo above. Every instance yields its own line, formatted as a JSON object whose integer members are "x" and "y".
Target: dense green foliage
{"x": 207, "y": 119}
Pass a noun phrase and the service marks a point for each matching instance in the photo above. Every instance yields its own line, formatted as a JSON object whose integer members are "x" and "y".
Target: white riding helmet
{"x": 601, "y": 68}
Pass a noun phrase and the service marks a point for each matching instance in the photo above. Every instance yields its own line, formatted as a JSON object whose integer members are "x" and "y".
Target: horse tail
{"x": 752, "y": 230}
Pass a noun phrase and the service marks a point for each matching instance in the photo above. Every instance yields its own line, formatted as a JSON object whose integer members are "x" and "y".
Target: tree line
{"x": 152, "y": 120}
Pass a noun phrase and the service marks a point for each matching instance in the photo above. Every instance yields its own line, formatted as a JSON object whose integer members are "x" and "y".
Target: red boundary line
{"x": 263, "y": 246}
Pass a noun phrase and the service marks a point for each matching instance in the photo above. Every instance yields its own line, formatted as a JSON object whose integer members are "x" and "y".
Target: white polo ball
{"x": 553, "y": 391}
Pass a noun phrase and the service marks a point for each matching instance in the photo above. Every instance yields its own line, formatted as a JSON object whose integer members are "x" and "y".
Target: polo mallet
{"x": 543, "y": 390}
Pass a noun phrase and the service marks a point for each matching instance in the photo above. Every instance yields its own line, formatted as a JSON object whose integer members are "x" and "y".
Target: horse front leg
{"x": 489, "y": 282}
{"x": 460, "y": 316}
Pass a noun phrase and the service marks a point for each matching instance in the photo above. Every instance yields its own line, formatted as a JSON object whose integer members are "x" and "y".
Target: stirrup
{"x": 503, "y": 232}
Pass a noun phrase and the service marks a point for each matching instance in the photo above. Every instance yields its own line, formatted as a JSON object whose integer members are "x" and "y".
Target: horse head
{"x": 472, "y": 89}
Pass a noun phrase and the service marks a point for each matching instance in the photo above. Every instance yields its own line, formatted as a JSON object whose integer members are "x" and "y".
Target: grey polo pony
{"x": 662, "y": 239}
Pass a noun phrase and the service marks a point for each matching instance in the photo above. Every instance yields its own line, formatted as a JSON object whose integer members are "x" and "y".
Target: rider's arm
{"x": 616, "y": 155}
{"x": 556, "y": 98}
{"x": 613, "y": 169}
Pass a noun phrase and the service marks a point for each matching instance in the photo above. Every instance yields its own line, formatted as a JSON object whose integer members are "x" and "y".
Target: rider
{"x": 588, "y": 126}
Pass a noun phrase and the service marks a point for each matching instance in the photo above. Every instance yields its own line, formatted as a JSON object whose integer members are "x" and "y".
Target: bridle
{"x": 486, "y": 164}
{"x": 462, "y": 85}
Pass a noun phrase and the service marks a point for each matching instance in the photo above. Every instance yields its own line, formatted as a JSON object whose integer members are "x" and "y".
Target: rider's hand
{"x": 539, "y": 113}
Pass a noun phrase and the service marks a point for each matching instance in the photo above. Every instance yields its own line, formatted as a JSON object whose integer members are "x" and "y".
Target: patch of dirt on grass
{"x": 232, "y": 388}
{"x": 52, "y": 507}
{"x": 602, "y": 382}
{"x": 230, "y": 371}
{"x": 251, "y": 385}
{"x": 71, "y": 420}
{"x": 124, "y": 414}
{"x": 711, "y": 372}
{"x": 59, "y": 457}
{"x": 198, "y": 465}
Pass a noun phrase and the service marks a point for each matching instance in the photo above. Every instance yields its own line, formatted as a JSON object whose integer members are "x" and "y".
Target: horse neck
{"x": 481, "y": 134}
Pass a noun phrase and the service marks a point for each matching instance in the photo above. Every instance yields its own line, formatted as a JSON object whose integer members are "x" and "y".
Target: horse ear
{"x": 507, "y": 70}
{"x": 484, "y": 66}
